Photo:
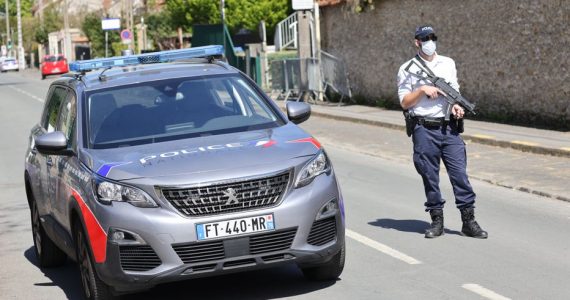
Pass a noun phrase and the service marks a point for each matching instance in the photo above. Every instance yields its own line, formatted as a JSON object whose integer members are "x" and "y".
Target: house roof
{"x": 329, "y": 2}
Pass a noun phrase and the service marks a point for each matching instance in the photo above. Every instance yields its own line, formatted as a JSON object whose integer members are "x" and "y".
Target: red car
{"x": 54, "y": 64}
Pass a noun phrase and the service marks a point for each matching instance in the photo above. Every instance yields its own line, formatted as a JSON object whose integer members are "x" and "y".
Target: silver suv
{"x": 146, "y": 173}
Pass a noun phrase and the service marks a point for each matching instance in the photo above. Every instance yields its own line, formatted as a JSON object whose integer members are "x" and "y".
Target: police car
{"x": 166, "y": 166}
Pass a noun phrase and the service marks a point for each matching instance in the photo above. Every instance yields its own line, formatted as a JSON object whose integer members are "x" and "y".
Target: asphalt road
{"x": 526, "y": 257}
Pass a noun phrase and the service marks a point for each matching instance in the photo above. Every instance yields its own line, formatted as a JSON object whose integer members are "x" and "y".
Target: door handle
{"x": 49, "y": 162}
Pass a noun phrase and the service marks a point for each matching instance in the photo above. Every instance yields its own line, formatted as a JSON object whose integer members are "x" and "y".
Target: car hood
{"x": 202, "y": 154}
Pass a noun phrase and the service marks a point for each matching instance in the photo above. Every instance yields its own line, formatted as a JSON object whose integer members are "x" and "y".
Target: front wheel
{"x": 93, "y": 287}
{"x": 48, "y": 254}
{"x": 330, "y": 270}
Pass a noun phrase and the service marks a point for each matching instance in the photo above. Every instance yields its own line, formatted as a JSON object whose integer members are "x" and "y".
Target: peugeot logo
{"x": 231, "y": 194}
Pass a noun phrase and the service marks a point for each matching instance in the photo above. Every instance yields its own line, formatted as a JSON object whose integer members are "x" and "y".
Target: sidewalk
{"x": 544, "y": 169}
{"x": 526, "y": 139}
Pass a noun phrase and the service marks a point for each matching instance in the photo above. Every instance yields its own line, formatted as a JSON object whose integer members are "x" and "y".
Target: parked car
{"x": 8, "y": 64}
{"x": 54, "y": 64}
{"x": 171, "y": 171}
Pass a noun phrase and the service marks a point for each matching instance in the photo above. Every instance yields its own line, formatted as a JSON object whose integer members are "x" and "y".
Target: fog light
{"x": 124, "y": 237}
{"x": 118, "y": 236}
{"x": 329, "y": 209}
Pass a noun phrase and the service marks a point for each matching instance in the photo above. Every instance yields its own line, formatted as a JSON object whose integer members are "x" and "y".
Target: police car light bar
{"x": 147, "y": 58}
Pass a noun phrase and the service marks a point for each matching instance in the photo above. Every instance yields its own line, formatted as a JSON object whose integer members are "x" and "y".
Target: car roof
{"x": 119, "y": 76}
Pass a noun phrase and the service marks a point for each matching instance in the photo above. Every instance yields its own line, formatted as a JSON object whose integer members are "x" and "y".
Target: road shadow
{"x": 66, "y": 277}
{"x": 281, "y": 282}
{"x": 415, "y": 226}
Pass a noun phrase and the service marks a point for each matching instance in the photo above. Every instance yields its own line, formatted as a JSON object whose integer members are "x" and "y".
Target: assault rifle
{"x": 451, "y": 95}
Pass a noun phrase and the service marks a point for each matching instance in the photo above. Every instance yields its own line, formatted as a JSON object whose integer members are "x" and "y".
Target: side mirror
{"x": 53, "y": 143}
{"x": 298, "y": 112}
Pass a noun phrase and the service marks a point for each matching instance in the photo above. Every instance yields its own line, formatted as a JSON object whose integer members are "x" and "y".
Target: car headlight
{"x": 108, "y": 191}
{"x": 317, "y": 166}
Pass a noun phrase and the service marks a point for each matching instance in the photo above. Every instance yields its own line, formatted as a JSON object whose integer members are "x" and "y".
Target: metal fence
{"x": 334, "y": 74}
{"x": 286, "y": 33}
{"x": 323, "y": 74}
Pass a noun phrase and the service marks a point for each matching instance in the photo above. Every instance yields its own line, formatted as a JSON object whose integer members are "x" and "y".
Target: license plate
{"x": 235, "y": 227}
{"x": 56, "y": 70}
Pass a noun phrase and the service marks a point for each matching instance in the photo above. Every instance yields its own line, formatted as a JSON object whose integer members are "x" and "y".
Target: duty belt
{"x": 427, "y": 121}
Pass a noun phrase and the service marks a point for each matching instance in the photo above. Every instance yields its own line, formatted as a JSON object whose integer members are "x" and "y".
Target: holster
{"x": 459, "y": 125}
{"x": 410, "y": 123}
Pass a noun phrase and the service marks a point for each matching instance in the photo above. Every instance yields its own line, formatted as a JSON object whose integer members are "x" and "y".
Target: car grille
{"x": 219, "y": 198}
{"x": 138, "y": 258}
{"x": 271, "y": 242}
{"x": 199, "y": 252}
{"x": 322, "y": 232}
{"x": 196, "y": 252}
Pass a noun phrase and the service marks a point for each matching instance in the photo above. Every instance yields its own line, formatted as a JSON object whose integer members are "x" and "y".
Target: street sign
{"x": 111, "y": 24}
{"x": 126, "y": 36}
{"x": 303, "y": 4}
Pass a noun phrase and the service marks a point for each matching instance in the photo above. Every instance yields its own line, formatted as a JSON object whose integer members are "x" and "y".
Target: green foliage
{"x": 92, "y": 28}
{"x": 52, "y": 22}
{"x": 25, "y": 7}
{"x": 239, "y": 13}
{"x": 286, "y": 54}
{"x": 159, "y": 27}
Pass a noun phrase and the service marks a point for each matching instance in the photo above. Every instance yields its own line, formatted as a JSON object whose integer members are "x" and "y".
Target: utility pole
{"x": 67, "y": 37}
{"x": 223, "y": 13}
{"x": 21, "y": 54}
{"x": 304, "y": 49}
{"x": 8, "y": 40}
{"x": 317, "y": 28}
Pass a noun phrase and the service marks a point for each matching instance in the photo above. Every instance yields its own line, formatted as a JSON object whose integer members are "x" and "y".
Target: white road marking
{"x": 382, "y": 248}
{"x": 483, "y": 292}
{"x": 27, "y": 94}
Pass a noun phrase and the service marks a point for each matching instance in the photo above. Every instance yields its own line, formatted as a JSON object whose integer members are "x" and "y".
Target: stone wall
{"x": 512, "y": 56}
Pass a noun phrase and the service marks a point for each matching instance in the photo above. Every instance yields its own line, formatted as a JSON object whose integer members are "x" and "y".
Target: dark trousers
{"x": 435, "y": 143}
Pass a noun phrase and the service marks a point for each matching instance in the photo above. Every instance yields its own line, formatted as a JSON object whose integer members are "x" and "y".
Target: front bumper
{"x": 165, "y": 231}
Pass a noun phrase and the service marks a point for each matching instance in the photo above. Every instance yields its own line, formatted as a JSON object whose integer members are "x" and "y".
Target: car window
{"x": 66, "y": 120}
{"x": 54, "y": 103}
{"x": 50, "y": 58}
{"x": 157, "y": 111}
{"x": 60, "y": 58}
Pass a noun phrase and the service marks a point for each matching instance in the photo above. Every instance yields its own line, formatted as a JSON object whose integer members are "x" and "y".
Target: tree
{"x": 160, "y": 28}
{"x": 91, "y": 26}
{"x": 25, "y": 7}
{"x": 52, "y": 22}
{"x": 239, "y": 13}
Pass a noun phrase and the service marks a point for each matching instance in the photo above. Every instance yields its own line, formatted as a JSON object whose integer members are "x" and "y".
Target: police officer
{"x": 435, "y": 139}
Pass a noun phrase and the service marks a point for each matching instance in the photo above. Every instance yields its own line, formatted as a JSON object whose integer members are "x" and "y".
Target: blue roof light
{"x": 155, "y": 57}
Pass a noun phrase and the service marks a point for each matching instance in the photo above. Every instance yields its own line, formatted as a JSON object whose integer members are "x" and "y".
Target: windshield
{"x": 53, "y": 58}
{"x": 174, "y": 109}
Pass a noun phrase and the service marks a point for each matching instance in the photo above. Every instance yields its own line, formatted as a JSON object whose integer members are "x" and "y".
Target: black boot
{"x": 470, "y": 226}
{"x": 436, "y": 228}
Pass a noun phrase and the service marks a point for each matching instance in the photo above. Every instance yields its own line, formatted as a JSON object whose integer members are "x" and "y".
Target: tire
{"x": 330, "y": 270}
{"x": 93, "y": 287}
{"x": 48, "y": 254}
{"x": 43, "y": 77}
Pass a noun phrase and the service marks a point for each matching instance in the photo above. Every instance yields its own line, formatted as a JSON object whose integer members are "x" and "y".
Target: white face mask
{"x": 428, "y": 48}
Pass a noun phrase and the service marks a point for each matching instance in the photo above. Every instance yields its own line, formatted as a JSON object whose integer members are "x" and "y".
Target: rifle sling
{"x": 418, "y": 58}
